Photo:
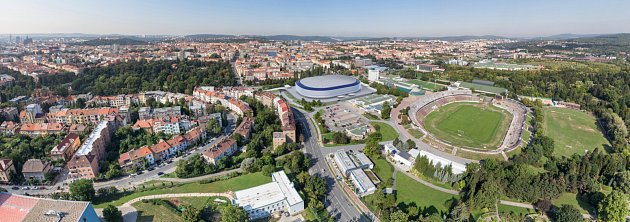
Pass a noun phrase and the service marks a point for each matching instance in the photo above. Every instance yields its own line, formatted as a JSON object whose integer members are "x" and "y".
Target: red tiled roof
{"x": 13, "y": 208}
{"x": 219, "y": 148}
{"x": 160, "y": 147}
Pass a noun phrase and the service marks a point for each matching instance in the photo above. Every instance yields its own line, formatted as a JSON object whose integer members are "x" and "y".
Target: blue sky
{"x": 523, "y": 18}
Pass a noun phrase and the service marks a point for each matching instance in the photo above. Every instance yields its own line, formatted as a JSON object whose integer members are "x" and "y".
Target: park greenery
{"x": 308, "y": 105}
{"x": 112, "y": 214}
{"x": 180, "y": 76}
{"x": 19, "y": 148}
{"x": 82, "y": 190}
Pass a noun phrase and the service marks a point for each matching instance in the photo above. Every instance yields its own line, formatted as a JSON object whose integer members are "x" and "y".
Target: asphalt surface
{"x": 336, "y": 202}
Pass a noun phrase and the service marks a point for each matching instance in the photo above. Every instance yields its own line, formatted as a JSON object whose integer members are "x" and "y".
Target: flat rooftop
{"x": 94, "y": 135}
{"x": 259, "y": 196}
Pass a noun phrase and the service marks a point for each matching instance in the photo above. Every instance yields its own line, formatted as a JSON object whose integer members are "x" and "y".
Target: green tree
{"x": 613, "y": 207}
{"x": 191, "y": 214}
{"x": 411, "y": 144}
{"x": 231, "y": 213}
{"x": 213, "y": 127}
{"x": 372, "y": 148}
{"x": 112, "y": 214}
{"x": 622, "y": 181}
{"x": 267, "y": 170}
{"x": 386, "y": 111}
{"x": 567, "y": 213}
{"x": 82, "y": 190}
{"x": 398, "y": 216}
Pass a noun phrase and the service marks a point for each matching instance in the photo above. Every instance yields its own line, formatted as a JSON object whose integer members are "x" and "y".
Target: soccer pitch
{"x": 469, "y": 125}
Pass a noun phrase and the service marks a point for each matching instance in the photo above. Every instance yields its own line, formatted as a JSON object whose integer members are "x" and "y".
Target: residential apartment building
{"x": 9, "y": 128}
{"x": 245, "y": 128}
{"x": 95, "y": 145}
{"x": 150, "y": 113}
{"x": 82, "y": 116}
{"x": 32, "y": 113}
{"x": 136, "y": 158}
{"x": 83, "y": 166}
{"x": 221, "y": 150}
{"x": 7, "y": 169}
{"x": 66, "y": 148}
{"x": 35, "y": 169}
{"x": 41, "y": 129}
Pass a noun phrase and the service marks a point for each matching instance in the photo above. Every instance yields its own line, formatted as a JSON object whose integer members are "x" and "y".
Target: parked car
{"x": 15, "y": 188}
{"x": 160, "y": 173}
{"x": 25, "y": 188}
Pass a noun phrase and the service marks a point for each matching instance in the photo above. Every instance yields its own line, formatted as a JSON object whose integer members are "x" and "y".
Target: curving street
{"x": 337, "y": 203}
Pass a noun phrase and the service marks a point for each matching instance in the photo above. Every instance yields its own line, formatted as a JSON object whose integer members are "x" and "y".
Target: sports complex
{"x": 328, "y": 88}
{"x": 461, "y": 120}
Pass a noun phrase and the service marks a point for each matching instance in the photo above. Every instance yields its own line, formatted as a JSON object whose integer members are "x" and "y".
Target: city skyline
{"x": 322, "y": 18}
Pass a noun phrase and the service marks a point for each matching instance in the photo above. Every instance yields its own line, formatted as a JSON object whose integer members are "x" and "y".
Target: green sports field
{"x": 469, "y": 124}
{"x": 573, "y": 131}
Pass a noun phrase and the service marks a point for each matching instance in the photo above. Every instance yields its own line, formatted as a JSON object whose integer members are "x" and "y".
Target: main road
{"x": 337, "y": 203}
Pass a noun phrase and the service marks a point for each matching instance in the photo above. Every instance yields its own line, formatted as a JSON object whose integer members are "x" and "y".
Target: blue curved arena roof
{"x": 327, "y": 83}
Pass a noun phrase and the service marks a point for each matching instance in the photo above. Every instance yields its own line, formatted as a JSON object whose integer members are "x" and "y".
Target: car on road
{"x": 15, "y": 188}
{"x": 139, "y": 172}
{"x": 25, "y": 188}
{"x": 160, "y": 173}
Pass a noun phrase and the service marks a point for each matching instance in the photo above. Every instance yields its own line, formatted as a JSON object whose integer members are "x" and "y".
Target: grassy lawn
{"x": 468, "y": 124}
{"x": 371, "y": 116}
{"x": 147, "y": 212}
{"x": 388, "y": 132}
{"x": 150, "y": 212}
{"x": 573, "y": 131}
{"x": 233, "y": 184}
{"x": 414, "y": 132}
{"x": 410, "y": 191}
{"x": 383, "y": 169}
{"x": 426, "y": 85}
{"x": 477, "y": 156}
{"x": 571, "y": 199}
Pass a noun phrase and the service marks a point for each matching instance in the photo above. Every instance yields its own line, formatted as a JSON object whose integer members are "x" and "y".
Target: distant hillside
{"x": 120, "y": 41}
{"x": 565, "y": 36}
{"x": 208, "y": 36}
{"x": 615, "y": 39}
{"x": 599, "y": 44}
{"x": 299, "y": 38}
{"x": 463, "y": 37}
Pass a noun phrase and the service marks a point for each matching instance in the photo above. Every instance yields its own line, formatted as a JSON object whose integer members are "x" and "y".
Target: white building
{"x": 275, "y": 197}
{"x": 435, "y": 159}
{"x": 351, "y": 165}
{"x": 362, "y": 182}
{"x": 374, "y": 75}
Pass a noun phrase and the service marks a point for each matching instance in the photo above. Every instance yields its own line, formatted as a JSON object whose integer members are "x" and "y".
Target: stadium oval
{"x": 328, "y": 86}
